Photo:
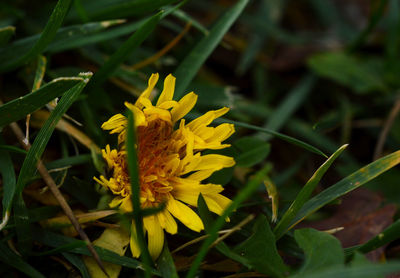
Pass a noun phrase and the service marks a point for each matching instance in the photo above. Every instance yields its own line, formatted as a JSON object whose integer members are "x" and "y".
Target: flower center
{"x": 154, "y": 153}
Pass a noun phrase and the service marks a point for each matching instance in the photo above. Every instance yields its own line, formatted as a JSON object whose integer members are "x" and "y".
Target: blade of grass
{"x": 6, "y": 34}
{"x": 166, "y": 264}
{"x": 284, "y": 137}
{"x": 133, "y": 169}
{"x": 305, "y": 194}
{"x": 291, "y": 102}
{"x": 10, "y": 258}
{"x": 8, "y": 181}
{"x": 18, "y": 108}
{"x": 244, "y": 193}
{"x": 47, "y": 36}
{"x": 189, "y": 67}
{"x": 55, "y": 240}
{"x": 12, "y": 149}
{"x": 346, "y": 185}
{"x": 124, "y": 50}
{"x": 78, "y": 263}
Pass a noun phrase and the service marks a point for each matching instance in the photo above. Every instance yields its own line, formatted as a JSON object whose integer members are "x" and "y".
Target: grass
{"x": 313, "y": 96}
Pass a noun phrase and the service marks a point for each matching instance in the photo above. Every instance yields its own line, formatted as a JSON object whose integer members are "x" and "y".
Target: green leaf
{"x": 359, "y": 271}
{"x": 166, "y": 264}
{"x": 47, "y": 36}
{"x": 18, "y": 108}
{"x": 347, "y": 184}
{"x": 322, "y": 250}
{"x": 304, "y": 195}
{"x": 260, "y": 250}
{"x": 189, "y": 67}
{"x": 361, "y": 75}
{"x": 12, "y": 149}
{"x": 250, "y": 187}
{"x": 5, "y": 34}
{"x": 252, "y": 151}
{"x": 125, "y": 49}
{"x": 8, "y": 257}
{"x": 284, "y": 137}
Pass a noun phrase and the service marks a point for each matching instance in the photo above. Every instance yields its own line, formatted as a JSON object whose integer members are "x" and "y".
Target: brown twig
{"x": 386, "y": 128}
{"x": 59, "y": 197}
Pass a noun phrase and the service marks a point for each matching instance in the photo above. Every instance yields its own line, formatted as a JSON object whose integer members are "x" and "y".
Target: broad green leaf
{"x": 321, "y": 249}
{"x": 361, "y": 75}
{"x": 347, "y": 184}
{"x": 18, "y": 108}
{"x": 359, "y": 271}
{"x": 8, "y": 257}
{"x": 305, "y": 194}
{"x": 115, "y": 240}
{"x": 125, "y": 49}
{"x": 252, "y": 151}
{"x": 246, "y": 191}
{"x": 166, "y": 264}
{"x": 260, "y": 250}
{"x": 189, "y": 67}
{"x": 6, "y": 34}
{"x": 46, "y": 37}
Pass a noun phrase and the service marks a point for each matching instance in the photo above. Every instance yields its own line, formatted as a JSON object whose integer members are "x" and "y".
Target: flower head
{"x": 171, "y": 165}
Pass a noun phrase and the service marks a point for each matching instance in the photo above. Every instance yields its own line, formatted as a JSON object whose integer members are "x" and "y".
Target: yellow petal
{"x": 116, "y": 124}
{"x": 209, "y": 162}
{"x": 216, "y": 202}
{"x": 201, "y": 175}
{"x": 167, "y": 222}
{"x": 146, "y": 93}
{"x": 222, "y": 132}
{"x": 140, "y": 119}
{"x": 135, "y": 249}
{"x": 185, "y": 104}
{"x": 184, "y": 214}
{"x": 168, "y": 91}
{"x": 155, "y": 235}
{"x": 207, "y": 118}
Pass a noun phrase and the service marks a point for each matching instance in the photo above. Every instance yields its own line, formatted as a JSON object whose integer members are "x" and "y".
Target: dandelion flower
{"x": 171, "y": 165}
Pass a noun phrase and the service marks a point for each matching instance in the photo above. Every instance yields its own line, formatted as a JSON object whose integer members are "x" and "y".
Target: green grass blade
{"x": 304, "y": 195}
{"x": 189, "y": 67}
{"x": 347, "y": 184}
{"x": 78, "y": 263}
{"x": 291, "y": 102}
{"x": 47, "y": 36}
{"x": 8, "y": 257}
{"x": 55, "y": 240}
{"x": 12, "y": 149}
{"x": 18, "y": 108}
{"x": 250, "y": 187}
{"x": 5, "y": 34}
{"x": 133, "y": 169}
{"x": 390, "y": 234}
{"x": 8, "y": 181}
{"x": 28, "y": 168}
{"x": 166, "y": 264}
{"x": 126, "y": 48}
{"x": 284, "y": 137}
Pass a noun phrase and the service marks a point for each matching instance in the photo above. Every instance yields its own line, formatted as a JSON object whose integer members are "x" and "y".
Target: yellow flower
{"x": 171, "y": 166}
